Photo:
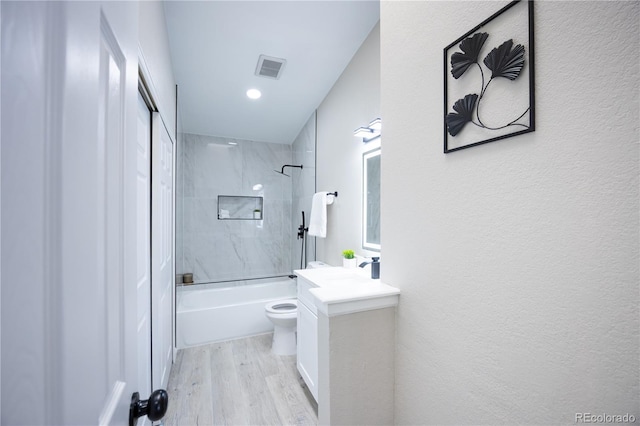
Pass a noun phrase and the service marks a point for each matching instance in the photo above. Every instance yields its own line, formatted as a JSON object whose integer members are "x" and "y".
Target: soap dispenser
{"x": 375, "y": 267}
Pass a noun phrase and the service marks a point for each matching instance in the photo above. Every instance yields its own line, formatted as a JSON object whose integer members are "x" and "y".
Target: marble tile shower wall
{"x": 304, "y": 186}
{"x": 219, "y": 250}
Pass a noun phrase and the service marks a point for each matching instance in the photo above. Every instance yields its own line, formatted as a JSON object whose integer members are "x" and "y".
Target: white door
{"x": 162, "y": 251}
{"x": 69, "y": 274}
{"x": 143, "y": 184}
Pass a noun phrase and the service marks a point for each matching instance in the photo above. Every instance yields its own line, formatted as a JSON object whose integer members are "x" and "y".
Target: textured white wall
{"x": 517, "y": 260}
{"x": 352, "y": 102}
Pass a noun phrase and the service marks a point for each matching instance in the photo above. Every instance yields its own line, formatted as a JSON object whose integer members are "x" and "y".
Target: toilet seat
{"x": 282, "y": 307}
{"x": 283, "y": 314}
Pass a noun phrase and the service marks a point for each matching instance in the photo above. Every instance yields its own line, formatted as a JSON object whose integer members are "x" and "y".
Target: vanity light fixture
{"x": 364, "y": 132}
{"x": 369, "y": 133}
{"x": 376, "y": 124}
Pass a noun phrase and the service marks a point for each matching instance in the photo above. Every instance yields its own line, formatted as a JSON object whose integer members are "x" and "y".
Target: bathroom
{"x": 445, "y": 240}
{"x": 241, "y": 202}
{"x": 517, "y": 260}
{"x": 218, "y": 250}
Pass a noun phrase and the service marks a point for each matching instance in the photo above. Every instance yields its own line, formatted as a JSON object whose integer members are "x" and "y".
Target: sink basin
{"x": 338, "y": 290}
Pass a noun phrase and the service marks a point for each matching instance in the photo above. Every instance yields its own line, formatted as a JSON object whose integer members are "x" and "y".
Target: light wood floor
{"x": 239, "y": 382}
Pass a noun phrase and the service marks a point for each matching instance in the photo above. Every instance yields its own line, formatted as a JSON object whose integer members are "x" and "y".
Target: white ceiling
{"x": 215, "y": 47}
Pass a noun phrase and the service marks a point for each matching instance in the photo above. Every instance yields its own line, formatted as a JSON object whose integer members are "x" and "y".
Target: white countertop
{"x": 340, "y": 291}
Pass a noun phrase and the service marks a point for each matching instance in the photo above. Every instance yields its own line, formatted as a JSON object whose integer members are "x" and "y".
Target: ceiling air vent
{"x": 270, "y": 67}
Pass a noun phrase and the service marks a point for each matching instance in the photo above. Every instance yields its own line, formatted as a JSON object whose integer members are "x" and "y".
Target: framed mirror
{"x": 371, "y": 200}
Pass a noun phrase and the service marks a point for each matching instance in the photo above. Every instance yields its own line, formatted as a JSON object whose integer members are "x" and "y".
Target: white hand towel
{"x": 318, "y": 221}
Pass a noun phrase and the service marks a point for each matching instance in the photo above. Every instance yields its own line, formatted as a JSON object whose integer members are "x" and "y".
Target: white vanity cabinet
{"x": 346, "y": 344}
{"x": 307, "y": 353}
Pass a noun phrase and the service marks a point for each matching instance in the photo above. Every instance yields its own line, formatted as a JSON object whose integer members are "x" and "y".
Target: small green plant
{"x": 256, "y": 211}
{"x": 348, "y": 254}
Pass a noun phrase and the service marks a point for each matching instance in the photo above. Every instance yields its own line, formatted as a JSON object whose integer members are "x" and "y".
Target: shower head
{"x": 282, "y": 172}
{"x": 287, "y": 165}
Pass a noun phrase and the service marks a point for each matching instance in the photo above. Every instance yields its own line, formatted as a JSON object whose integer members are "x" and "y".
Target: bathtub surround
{"x": 221, "y": 250}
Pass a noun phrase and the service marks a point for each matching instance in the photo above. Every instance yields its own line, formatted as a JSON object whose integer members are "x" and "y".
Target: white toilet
{"x": 283, "y": 314}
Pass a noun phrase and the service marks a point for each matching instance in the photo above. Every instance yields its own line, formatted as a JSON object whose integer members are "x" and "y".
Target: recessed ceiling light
{"x": 253, "y": 94}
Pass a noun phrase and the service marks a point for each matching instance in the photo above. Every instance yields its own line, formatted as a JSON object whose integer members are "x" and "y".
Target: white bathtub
{"x": 208, "y": 313}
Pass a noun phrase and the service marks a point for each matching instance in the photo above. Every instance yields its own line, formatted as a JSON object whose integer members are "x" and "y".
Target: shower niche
{"x": 238, "y": 207}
